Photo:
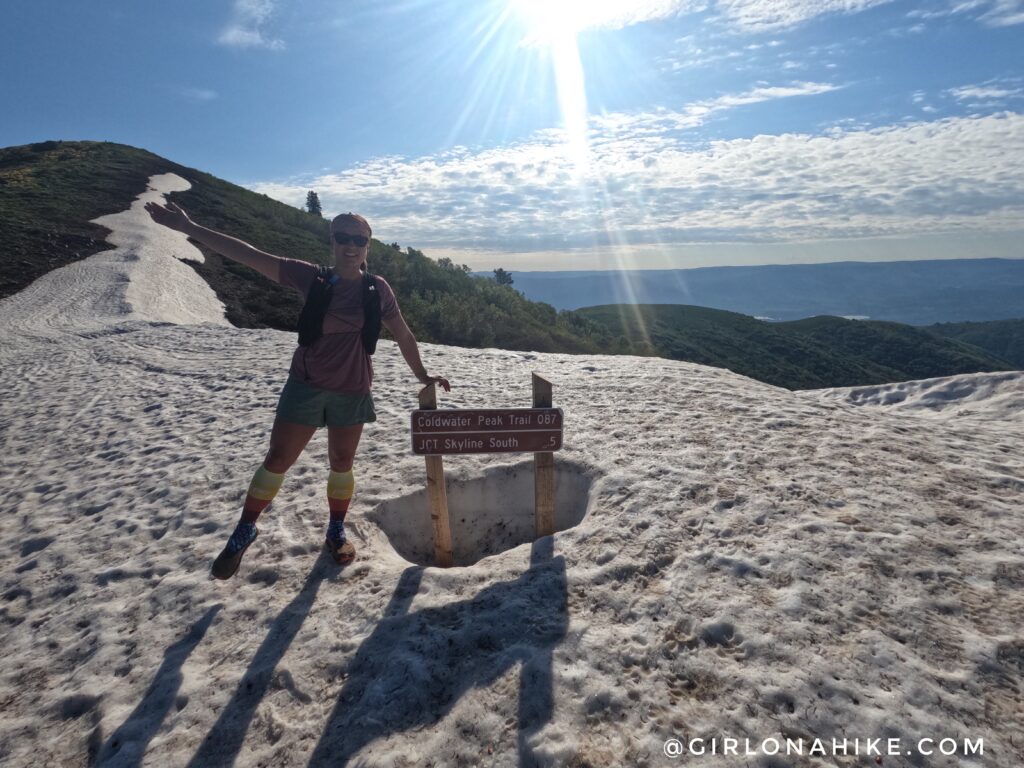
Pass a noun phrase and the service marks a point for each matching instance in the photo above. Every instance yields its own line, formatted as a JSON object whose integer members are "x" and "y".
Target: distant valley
{"x": 912, "y": 292}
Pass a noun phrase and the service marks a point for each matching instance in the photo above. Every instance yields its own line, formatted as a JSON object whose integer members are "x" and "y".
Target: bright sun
{"x": 553, "y": 24}
{"x": 549, "y": 21}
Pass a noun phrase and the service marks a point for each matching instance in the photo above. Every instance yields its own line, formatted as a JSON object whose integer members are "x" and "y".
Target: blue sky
{"x": 565, "y": 134}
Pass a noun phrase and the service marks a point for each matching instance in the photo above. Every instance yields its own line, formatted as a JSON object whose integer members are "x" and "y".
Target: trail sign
{"x": 517, "y": 429}
{"x": 509, "y": 430}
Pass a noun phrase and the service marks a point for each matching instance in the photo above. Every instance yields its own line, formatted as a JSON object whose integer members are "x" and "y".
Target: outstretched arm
{"x": 174, "y": 217}
{"x": 410, "y": 351}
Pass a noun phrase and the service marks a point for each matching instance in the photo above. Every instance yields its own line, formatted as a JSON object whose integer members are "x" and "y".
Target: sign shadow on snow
{"x": 415, "y": 667}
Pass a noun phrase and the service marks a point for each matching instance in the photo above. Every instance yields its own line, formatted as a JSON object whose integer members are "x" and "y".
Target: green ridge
{"x": 1001, "y": 338}
{"x": 803, "y": 354}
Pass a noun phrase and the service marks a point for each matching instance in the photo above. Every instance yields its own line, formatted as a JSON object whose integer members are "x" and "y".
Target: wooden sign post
{"x": 536, "y": 430}
{"x": 437, "y": 492}
{"x": 543, "y": 468}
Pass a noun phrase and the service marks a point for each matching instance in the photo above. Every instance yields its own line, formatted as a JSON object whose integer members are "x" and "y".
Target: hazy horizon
{"x": 733, "y": 266}
{"x": 843, "y": 252}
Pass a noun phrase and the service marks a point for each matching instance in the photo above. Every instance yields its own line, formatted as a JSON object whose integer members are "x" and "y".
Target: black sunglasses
{"x": 342, "y": 238}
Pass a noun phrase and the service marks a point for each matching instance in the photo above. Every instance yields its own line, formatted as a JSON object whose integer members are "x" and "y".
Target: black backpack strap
{"x": 371, "y": 312}
{"x": 311, "y": 319}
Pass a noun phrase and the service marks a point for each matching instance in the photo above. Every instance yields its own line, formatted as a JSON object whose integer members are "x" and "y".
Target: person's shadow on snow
{"x": 127, "y": 745}
{"x": 415, "y": 667}
{"x": 224, "y": 740}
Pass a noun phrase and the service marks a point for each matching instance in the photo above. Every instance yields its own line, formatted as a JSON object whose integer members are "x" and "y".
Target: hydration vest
{"x": 311, "y": 319}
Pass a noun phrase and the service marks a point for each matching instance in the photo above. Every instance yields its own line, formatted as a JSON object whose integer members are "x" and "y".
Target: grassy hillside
{"x": 802, "y": 354}
{"x": 1000, "y": 338}
{"x": 49, "y": 192}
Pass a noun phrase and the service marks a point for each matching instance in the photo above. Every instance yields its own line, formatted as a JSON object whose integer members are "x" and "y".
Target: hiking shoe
{"x": 227, "y": 562}
{"x": 336, "y": 544}
{"x": 342, "y": 551}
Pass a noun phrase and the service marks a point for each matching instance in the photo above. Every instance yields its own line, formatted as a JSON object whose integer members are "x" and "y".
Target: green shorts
{"x": 301, "y": 403}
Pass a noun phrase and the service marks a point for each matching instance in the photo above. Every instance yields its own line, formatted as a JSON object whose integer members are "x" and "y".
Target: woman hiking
{"x": 330, "y": 375}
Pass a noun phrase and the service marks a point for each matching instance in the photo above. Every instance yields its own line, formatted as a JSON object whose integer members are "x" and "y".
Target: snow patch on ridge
{"x": 160, "y": 287}
{"x": 142, "y": 279}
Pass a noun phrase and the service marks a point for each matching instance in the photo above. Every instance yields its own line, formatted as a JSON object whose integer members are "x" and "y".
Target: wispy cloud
{"x": 712, "y": 50}
{"x": 745, "y": 15}
{"x": 693, "y": 115}
{"x": 198, "y": 95}
{"x": 991, "y": 92}
{"x": 246, "y": 28}
{"x": 761, "y": 94}
{"x": 1002, "y": 13}
{"x": 766, "y": 15}
{"x": 692, "y": 52}
{"x": 920, "y": 100}
{"x": 994, "y": 13}
{"x": 771, "y": 15}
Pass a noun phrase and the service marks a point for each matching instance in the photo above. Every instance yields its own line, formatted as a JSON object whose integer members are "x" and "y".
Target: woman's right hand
{"x": 170, "y": 215}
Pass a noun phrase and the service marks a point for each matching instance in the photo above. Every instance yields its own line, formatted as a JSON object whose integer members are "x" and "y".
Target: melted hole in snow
{"x": 488, "y": 514}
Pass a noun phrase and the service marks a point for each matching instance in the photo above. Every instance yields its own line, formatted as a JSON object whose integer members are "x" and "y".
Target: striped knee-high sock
{"x": 262, "y": 490}
{"x": 340, "y": 487}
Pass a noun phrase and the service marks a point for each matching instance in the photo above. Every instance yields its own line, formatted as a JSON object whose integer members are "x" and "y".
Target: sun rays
{"x": 554, "y": 26}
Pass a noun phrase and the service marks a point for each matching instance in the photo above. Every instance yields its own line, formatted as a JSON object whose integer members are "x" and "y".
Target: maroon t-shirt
{"x": 337, "y": 361}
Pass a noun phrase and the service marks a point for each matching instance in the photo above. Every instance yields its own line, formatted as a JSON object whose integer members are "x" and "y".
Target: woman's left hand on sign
{"x": 437, "y": 380}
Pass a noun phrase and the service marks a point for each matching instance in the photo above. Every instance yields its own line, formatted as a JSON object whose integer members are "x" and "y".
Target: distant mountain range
{"x": 913, "y": 292}
{"x": 49, "y": 192}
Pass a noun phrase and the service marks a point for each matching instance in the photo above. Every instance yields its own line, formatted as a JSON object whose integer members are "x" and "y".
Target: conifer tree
{"x": 313, "y": 203}
{"x": 501, "y": 277}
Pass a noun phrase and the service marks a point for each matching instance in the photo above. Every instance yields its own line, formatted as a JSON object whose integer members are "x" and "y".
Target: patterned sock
{"x": 262, "y": 490}
{"x": 243, "y": 536}
{"x": 340, "y": 487}
{"x": 336, "y": 531}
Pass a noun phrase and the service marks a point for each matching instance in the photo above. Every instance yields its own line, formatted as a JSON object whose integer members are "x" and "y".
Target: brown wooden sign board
{"x": 537, "y": 429}
{"x": 509, "y": 430}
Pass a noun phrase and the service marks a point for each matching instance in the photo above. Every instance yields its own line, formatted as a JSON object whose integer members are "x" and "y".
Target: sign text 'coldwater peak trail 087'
{"x": 510, "y": 430}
